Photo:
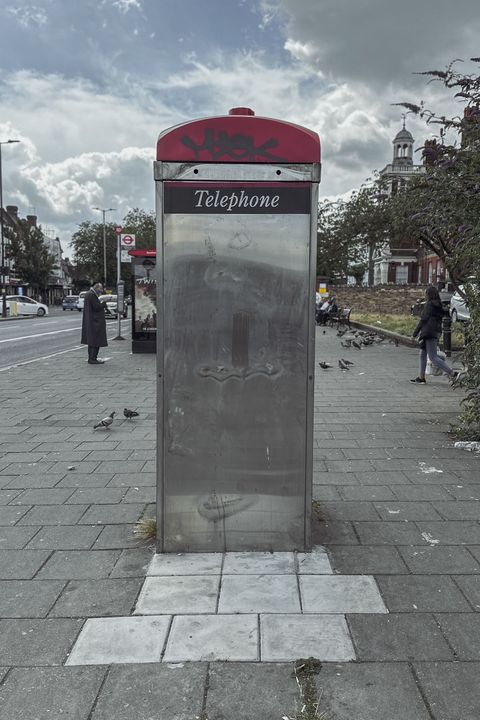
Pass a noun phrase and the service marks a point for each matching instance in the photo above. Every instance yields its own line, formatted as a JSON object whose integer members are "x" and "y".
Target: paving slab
{"x": 28, "y": 598}
{"x": 462, "y": 632}
{"x": 398, "y": 637}
{"x": 289, "y": 637}
{"x": 316, "y": 562}
{"x": 213, "y": 637}
{"x": 256, "y": 563}
{"x": 367, "y": 560}
{"x": 15, "y": 538}
{"x": 133, "y": 563}
{"x": 259, "y": 594}
{"x": 113, "y": 514}
{"x": 186, "y": 564}
{"x": 65, "y": 537}
{"x": 97, "y": 598}
{"x": 451, "y": 689}
{"x": 470, "y": 586}
{"x": 422, "y": 593}
{"x": 340, "y": 594}
{"x": 106, "y": 641}
{"x": 439, "y": 560}
{"x": 47, "y": 693}
{"x": 37, "y": 642}
{"x": 53, "y": 515}
{"x": 180, "y": 594}
{"x": 79, "y": 564}
{"x": 21, "y": 564}
{"x": 369, "y": 691}
{"x": 151, "y": 691}
{"x": 272, "y": 692}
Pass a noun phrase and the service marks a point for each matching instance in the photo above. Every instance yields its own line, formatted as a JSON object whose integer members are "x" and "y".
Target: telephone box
{"x": 236, "y": 257}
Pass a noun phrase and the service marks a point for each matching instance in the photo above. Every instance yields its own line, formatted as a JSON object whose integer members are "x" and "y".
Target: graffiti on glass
{"x": 237, "y": 147}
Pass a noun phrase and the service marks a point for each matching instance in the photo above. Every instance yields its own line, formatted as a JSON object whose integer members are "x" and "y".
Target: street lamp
{"x": 4, "y": 288}
{"x": 103, "y": 211}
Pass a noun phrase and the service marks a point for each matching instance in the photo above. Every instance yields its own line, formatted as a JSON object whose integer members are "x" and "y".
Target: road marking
{"x": 51, "y": 332}
{"x": 46, "y": 357}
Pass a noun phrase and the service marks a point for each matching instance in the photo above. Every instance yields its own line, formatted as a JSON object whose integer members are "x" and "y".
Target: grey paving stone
{"x": 440, "y": 559}
{"x": 96, "y": 598}
{"x": 106, "y": 641}
{"x": 21, "y": 564}
{"x": 462, "y": 492}
{"x": 53, "y": 496}
{"x": 141, "y": 692}
{"x": 334, "y": 533}
{"x": 13, "y": 538}
{"x": 367, "y": 492}
{"x": 398, "y": 637}
{"x": 47, "y": 693}
{"x": 475, "y": 550}
{"x": 463, "y": 633}
{"x": 186, "y": 564}
{"x": 334, "y": 478}
{"x": 123, "y": 466}
{"x": 422, "y": 593}
{"x": 79, "y": 564}
{"x": 65, "y": 537}
{"x": 369, "y": 691}
{"x": 470, "y": 586}
{"x": 180, "y": 594}
{"x": 259, "y": 594}
{"x": 53, "y": 515}
{"x": 142, "y": 494}
{"x": 286, "y": 638}
{"x": 459, "y": 510}
{"x": 348, "y": 511}
{"x": 389, "y": 533}
{"x": 133, "y": 479}
{"x": 382, "y": 476}
{"x": 96, "y": 496}
{"x": 401, "y": 511}
{"x": 367, "y": 560}
{"x": 11, "y": 514}
{"x": 429, "y": 492}
{"x": 7, "y": 496}
{"x": 350, "y": 466}
{"x": 213, "y": 637}
{"x": 119, "y": 536}
{"x": 34, "y": 481}
{"x": 340, "y": 594}
{"x": 82, "y": 467}
{"x": 258, "y": 563}
{"x": 452, "y": 532}
{"x": 28, "y": 468}
{"x": 451, "y": 689}
{"x": 3, "y": 672}
{"x": 113, "y": 514}
{"x": 37, "y": 642}
{"x": 326, "y": 492}
{"x": 28, "y": 598}
{"x": 133, "y": 563}
{"x": 273, "y": 692}
{"x": 81, "y": 480}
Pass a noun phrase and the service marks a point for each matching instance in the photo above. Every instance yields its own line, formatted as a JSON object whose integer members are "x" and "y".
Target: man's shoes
{"x": 454, "y": 377}
{"x": 96, "y": 362}
{"x": 419, "y": 381}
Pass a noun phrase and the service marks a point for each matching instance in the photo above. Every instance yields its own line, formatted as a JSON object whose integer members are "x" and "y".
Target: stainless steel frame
{"x": 235, "y": 363}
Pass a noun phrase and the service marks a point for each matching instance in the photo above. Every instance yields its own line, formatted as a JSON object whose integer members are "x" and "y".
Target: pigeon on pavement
{"x": 342, "y": 365}
{"x": 106, "y": 422}
{"x": 324, "y": 365}
{"x": 347, "y": 362}
{"x": 356, "y": 345}
{"x": 129, "y": 414}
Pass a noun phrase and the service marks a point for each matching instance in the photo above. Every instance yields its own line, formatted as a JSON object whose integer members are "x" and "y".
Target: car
{"x": 111, "y": 305}
{"x": 69, "y": 302}
{"x": 458, "y": 307}
{"x": 81, "y": 300}
{"x": 23, "y": 305}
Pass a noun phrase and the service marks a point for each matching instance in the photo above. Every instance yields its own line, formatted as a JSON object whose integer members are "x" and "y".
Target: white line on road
{"x": 51, "y": 332}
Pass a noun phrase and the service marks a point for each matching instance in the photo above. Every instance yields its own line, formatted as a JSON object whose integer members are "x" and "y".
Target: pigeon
{"x": 356, "y": 345}
{"x": 342, "y": 365}
{"x": 346, "y": 343}
{"x": 129, "y": 414}
{"x": 106, "y": 422}
{"x": 324, "y": 365}
{"x": 347, "y": 362}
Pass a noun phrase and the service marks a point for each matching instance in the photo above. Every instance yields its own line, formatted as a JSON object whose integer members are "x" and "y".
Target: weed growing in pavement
{"x": 317, "y": 510}
{"x": 146, "y": 528}
{"x": 304, "y": 671}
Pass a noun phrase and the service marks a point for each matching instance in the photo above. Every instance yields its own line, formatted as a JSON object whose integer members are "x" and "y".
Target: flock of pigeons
{"x": 357, "y": 339}
{"x": 107, "y": 421}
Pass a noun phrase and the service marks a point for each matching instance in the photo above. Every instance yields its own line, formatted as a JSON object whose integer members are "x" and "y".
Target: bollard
{"x": 447, "y": 335}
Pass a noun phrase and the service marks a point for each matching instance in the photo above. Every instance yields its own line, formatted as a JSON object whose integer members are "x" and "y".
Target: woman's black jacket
{"x": 430, "y": 323}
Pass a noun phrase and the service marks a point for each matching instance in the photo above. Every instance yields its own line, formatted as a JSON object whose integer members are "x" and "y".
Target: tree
{"x": 337, "y": 256}
{"x": 141, "y": 224}
{"x": 442, "y": 210}
{"x": 33, "y": 261}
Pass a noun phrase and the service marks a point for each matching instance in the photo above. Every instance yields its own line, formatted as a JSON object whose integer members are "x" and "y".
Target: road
{"x": 32, "y": 339}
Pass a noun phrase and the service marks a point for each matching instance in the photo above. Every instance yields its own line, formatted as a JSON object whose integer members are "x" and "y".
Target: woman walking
{"x": 428, "y": 331}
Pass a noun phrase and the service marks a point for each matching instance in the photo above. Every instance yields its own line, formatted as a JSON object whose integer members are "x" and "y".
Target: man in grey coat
{"x": 94, "y": 324}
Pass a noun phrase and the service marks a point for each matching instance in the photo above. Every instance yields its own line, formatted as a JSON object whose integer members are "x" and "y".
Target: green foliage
{"x": 33, "y": 261}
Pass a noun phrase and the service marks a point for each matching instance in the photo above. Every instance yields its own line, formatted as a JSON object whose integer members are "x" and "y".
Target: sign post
{"x": 120, "y": 286}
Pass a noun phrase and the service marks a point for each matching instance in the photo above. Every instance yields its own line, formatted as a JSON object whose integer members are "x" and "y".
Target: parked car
{"x": 458, "y": 308}
{"x": 416, "y": 309}
{"x": 111, "y": 306}
{"x": 25, "y": 305}
{"x": 69, "y": 302}
{"x": 81, "y": 300}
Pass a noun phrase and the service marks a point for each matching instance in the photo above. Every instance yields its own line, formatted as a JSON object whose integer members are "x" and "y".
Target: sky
{"x": 88, "y": 85}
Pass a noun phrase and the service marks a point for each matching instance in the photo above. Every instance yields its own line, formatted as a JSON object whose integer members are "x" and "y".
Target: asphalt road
{"x": 28, "y": 340}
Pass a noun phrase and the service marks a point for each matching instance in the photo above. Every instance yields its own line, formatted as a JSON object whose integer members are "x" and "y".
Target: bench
{"x": 340, "y": 318}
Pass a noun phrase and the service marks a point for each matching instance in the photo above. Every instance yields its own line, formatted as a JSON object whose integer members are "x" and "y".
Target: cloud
{"x": 28, "y": 16}
{"x": 125, "y": 5}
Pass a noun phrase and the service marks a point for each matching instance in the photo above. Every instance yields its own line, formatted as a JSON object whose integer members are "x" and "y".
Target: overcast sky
{"x": 87, "y": 85}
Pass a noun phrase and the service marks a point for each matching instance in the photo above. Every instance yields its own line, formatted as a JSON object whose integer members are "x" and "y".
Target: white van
{"x": 81, "y": 300}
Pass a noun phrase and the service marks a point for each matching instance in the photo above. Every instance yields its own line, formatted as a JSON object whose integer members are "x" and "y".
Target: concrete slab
{"x": 422, "y": 593}
{"x": 451, "y": 689}
{"x": 21, "y": 564}
{"x": 258, "y": 563}
{"x": 259, "y": 594}
{"x": 28, "y": 598}
{"x": 37, "y": 642}
{"x": 213, "y": 638}
{"x": 148, "y": 691}
{"x": 79, "y": 564}
{"x": 107, "y": 641}
{"x": 340, "y": 594}
{"x": 285, "y": 638}
{"x": 186, "y": 564}
{"x": 180, "y": 594}
{"x": 463, "y": 633}
{"x": 314, "y": 563}
{"x": 100, "y": 597}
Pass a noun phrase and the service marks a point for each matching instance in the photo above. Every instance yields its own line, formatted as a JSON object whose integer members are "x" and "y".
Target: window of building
{"x": 401, "y": 275}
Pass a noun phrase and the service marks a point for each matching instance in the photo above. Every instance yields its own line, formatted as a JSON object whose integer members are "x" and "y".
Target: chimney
{"x": 32, "y": 220}
{"x": 12, "y": 210}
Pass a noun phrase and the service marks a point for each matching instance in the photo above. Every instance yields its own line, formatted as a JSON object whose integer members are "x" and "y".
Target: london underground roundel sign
{"x": 127, "y": 241}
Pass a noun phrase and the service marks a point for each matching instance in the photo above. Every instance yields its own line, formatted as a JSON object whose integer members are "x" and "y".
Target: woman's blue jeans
{"x": 431, "y": 348}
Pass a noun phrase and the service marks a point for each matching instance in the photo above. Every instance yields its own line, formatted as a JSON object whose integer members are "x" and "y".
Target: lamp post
{"x": 4, "y": 289}
{"x": 103, "y": 211}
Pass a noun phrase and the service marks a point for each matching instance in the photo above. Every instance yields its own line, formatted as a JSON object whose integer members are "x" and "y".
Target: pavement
{"x": 94, "y": 626}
